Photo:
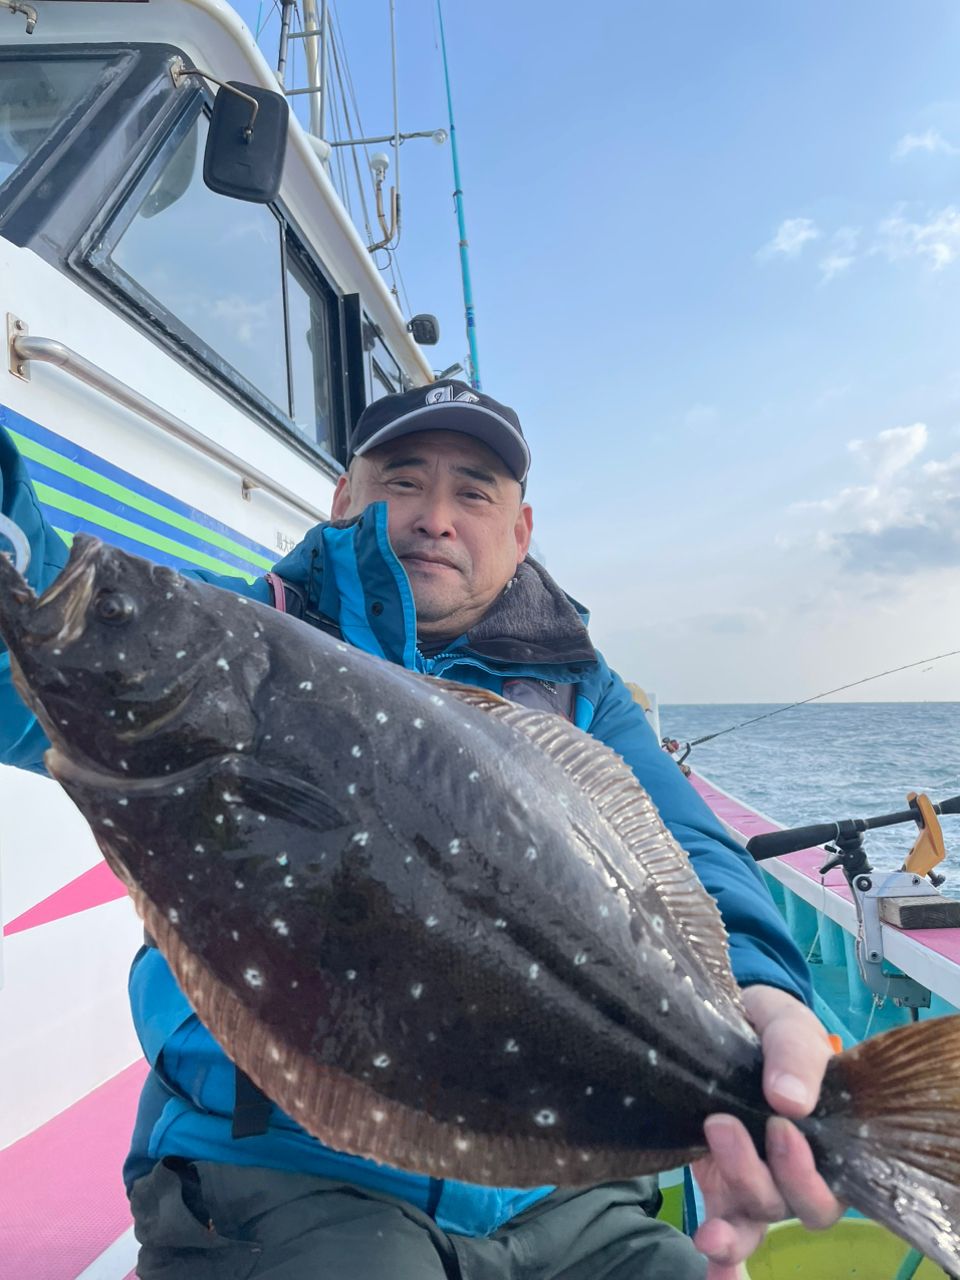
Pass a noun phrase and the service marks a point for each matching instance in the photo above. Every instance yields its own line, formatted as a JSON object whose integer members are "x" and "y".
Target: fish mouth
{"x": 57, "y": 615}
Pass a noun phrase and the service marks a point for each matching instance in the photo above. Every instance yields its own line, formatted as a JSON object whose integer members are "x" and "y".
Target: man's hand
{"x": 742, "y": 1194}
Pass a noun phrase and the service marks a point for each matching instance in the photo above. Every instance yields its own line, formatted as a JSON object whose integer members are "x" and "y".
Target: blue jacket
{"x": 351, "y": 577}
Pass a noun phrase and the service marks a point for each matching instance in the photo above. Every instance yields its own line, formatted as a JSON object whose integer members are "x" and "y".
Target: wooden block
{"x": 930, "y": 912}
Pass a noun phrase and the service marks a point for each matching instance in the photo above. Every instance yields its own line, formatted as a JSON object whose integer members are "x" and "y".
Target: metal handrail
{"x": 50, "y": 351}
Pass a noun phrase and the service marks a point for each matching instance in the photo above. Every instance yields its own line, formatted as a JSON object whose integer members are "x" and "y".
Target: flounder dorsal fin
{"x": 621, "y": 801}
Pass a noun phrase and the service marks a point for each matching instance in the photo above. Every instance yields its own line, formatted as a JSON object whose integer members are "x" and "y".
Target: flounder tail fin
{"x": 886, "y": 1134}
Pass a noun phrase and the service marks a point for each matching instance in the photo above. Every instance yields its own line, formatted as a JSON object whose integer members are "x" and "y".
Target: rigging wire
{"x": 803, "y": 701}
{"x": 344, "y": 81}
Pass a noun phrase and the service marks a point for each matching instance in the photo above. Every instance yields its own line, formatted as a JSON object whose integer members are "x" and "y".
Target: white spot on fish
{"x": 864, "y": 1131}
{"x": 530, "y": 854}
{"x": 281, "y": 927}
{"x": 306, "y": 685}
{"x": 261, "y": 817}
{"x": 454, "y": 846}
{"x": 274, "y": 1053}
{"x": 604, "y": 910}
{"x": 234, "y": 935}
{"x": 408, "y": 859}
{"x": 253, "y": 977}
{"x": 288, "y": 882}
{"x": 499, "y": 923}
{"x": 124, "y": 766}
{"x": 123, "y": 802}
{"x": 65, "y": 722}
{"x": 218, "y": 818}
{"x": 437, "y": 702}
{"x": 341, "y": 670}
{"x": 381, "y": 717}
{"x": 239, "y": 884}
{"x": 589, "y": 1091}
{"x": 462, "y": 1144}
{"x": 473, "y": 776}
{"x": 418, "y": 723}
{"x": 351, "y": 789}
{"x": 664, "y": 1004}
{"x": 361, "y": 838}
{"x": 223, "y": 664}
{"x": 150, "y": 853}
{"x": 378, "y": 1116}
{"x": 173, "y": 915}
{"x": 178, "y": 791}
{"x": 198, "y": 848}
{"x": 382, "y": 1060}
{"x": 629, "y": 1101}
{"x": 511, "y": 1046}
{"x": 431, "y": 1036}
{"x": 351, "y": 975}
{"x": 282, "y": 859}
{"x": 534, "y": 971}
{"x": 580, "y": 958}
{"x": 711, "y": 1086}
{"x": 57, "y": 652}
{"x": 292, "y": 1076}
{"x": 432, "y": 922}
{"x": 107, "y": 822}
{"x": 356, "y": 751}
{"x": 131, "y": 716}
{"x": 545, "y": 1118}
{"x": 652, "y": 1057}
{"x": 417, "y": 990}
{"x": 294, "y": 984}
{"x": 121, "y": 657}
{"x": 230, "y": 798}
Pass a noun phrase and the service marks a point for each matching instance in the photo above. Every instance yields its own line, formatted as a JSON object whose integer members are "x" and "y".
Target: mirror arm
{"x": 178, "y": 71}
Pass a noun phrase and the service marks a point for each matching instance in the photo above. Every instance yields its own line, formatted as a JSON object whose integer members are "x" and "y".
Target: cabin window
{"x": 384, "y": 377}
{"x": 232, "y": 286}
{"x": 213, "y": 264}
{"x": 310, "y": 311}
{"x": 36, "y": 96}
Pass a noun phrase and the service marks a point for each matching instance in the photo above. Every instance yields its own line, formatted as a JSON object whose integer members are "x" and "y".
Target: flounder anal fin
{"x": 611, "y": 786}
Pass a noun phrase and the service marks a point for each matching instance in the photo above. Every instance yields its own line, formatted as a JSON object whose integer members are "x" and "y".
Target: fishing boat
{"x": 182, "y": 364}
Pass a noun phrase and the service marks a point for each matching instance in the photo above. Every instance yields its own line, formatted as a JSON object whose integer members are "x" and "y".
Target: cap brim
{"x": 469, "y": 420}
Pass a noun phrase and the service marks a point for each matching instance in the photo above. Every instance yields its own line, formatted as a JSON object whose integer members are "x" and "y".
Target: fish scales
{"x": 439, "y": 930}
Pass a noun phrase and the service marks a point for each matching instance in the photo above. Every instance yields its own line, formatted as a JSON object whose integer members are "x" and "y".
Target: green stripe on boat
{"x": 107, "y": 520}
{"x": 85, "y": 475}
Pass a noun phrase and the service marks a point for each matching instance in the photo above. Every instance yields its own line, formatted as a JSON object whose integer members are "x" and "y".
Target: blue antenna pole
{"x": 461, "y": 222}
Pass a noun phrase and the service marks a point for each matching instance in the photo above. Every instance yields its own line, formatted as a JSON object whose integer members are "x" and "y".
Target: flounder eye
{"x": 115, "y": 607}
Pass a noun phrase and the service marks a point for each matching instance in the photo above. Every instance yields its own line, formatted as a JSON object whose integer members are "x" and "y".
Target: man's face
{"x": 457, "y": 522}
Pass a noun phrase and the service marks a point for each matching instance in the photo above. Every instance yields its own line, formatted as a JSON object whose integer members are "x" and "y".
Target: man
{"x": 425, "y": 564}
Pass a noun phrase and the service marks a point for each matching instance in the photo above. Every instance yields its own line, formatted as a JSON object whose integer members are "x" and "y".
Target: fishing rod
{"x": 772, "y": 844}
{"x": 802, "y": 702}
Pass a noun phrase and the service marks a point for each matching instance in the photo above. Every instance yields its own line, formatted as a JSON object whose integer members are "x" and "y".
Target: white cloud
{"x": 791, "y": 235}
{"x": 904, "y": 520}
{"x": 932, "y": 142}
{"x": 937, "y": 239}
{"x": 841, "y": 253}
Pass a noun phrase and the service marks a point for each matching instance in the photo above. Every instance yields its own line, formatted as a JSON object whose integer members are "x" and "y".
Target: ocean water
{"x": 833, "y": 760}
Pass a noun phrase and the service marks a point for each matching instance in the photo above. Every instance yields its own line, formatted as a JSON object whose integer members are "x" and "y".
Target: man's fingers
{"x": 795, "y": 1050}
{"x": 748, "y": 1182}
{"x": 791, "y": 1162}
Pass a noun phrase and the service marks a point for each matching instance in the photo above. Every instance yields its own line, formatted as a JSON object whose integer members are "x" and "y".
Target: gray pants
{"x": 224, "y": 1222}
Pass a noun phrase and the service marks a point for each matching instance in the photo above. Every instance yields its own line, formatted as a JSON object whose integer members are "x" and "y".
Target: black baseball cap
{"x": 444, "y": 406}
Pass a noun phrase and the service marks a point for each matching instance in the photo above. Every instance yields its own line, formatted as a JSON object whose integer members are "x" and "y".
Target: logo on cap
{"x": 440, "y": 395}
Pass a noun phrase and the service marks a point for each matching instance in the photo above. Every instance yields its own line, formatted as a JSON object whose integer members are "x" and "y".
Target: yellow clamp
{"x": 928, "y": 848}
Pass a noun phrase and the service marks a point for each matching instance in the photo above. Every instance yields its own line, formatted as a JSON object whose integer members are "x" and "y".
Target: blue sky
{"x": 716, "y": 258}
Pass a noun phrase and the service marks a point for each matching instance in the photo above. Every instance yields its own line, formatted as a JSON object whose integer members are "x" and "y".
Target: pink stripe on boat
{"x": 91, "y": 889}
{"x": 62, "y": 1201}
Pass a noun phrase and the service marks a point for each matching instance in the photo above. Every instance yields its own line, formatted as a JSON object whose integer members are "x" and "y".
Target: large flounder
{"x": 439, "y": 930}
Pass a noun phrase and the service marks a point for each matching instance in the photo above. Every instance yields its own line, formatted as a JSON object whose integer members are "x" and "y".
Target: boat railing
{"x": 25, "y": 349}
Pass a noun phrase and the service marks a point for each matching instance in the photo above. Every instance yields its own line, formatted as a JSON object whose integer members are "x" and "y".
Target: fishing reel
{"x": 901, "y": 898}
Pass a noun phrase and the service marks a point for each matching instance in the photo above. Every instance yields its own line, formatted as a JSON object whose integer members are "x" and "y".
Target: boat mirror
{"x": 425, "y": 329}
{"x": 246, "y": 142}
